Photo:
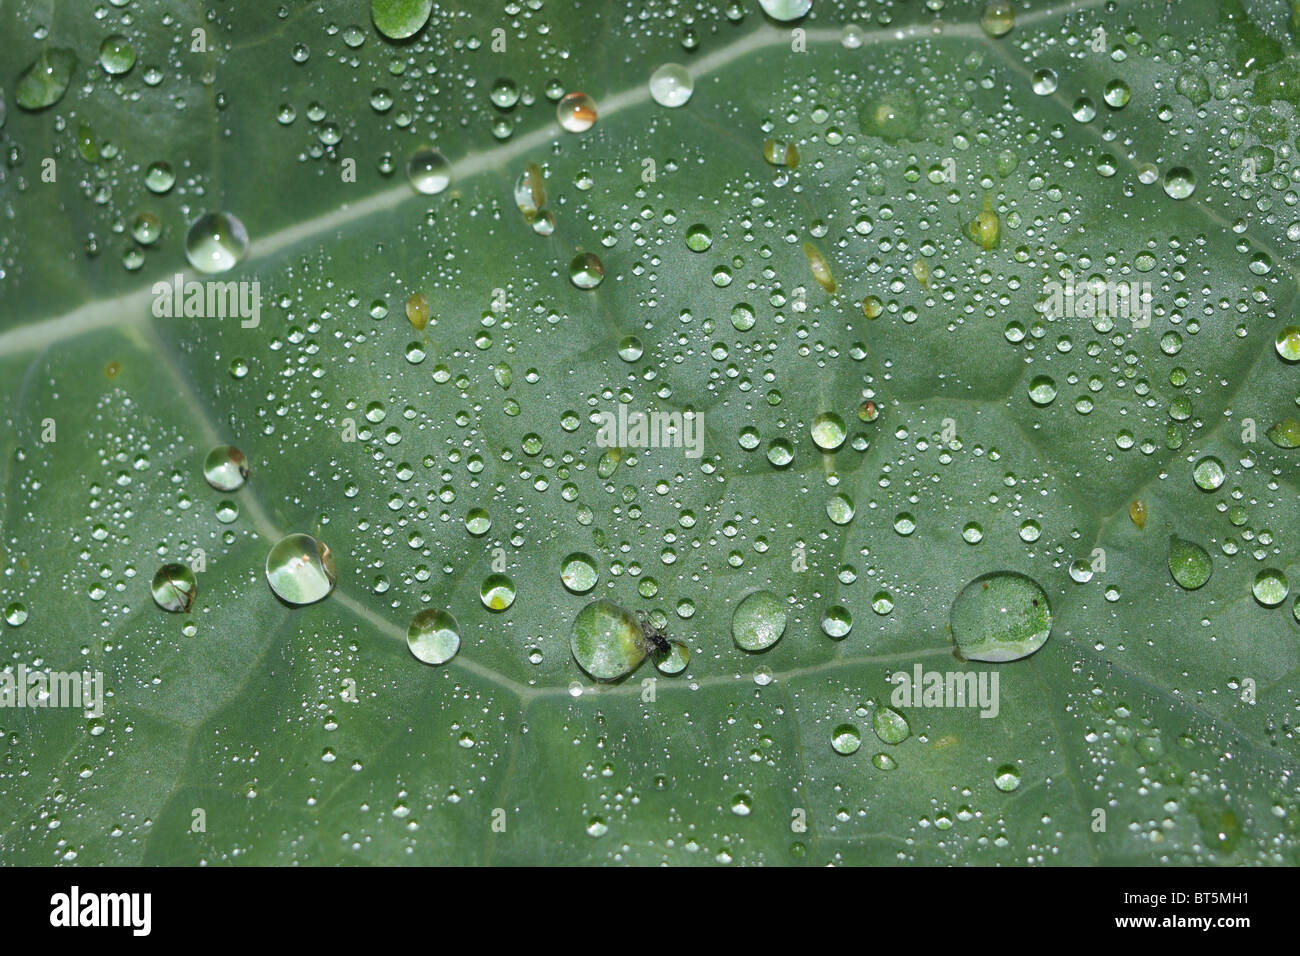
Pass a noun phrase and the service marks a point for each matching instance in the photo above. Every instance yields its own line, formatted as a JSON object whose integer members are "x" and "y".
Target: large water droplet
{"x": 216, "y": 242}
{"x": 607, "y": 641}
{"x": 586, "y": 271}
{"x": 225, "y": 468}
{"x": 758, "y": 621}
{"x": 1002, "y": 616}
{"x": 1180, "y": 182}
{"x": 174, "y": 588}
{"x": 786, "y": 10}
{"x": 399, "y": 19}
{"x": 1287, "y": 343}
{"x": 846, "y": 739}
{"x": 1270, "y": 587}
{"x": 890, "y": 726}
{"x": 578, "y": 573}
{"x": 671, "y": 85}
{"x": 1188, "y": 563}
{"x": 429, "y": 171}
{"x": 433, "y": 636}
{"x": 44, "y": 82}
{"x": 300, "y": 569}
{"x": 576, "y": 112}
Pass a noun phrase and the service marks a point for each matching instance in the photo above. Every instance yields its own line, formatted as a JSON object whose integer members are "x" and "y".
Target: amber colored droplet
{"x": 537, "y": 184}
{"x": 1137, "y": 512}
{"x": 821, "y": 269}
{"x": 921, "y": 270}
{"x": 112, "y": 368}
{"x": 417, "y": 310}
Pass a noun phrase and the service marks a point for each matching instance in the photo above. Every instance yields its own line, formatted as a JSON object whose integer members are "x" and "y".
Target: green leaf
{"x": 1152, "y": 726}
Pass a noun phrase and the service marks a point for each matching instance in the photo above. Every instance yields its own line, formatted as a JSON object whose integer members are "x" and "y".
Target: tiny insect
{"x": 656, "y": 640}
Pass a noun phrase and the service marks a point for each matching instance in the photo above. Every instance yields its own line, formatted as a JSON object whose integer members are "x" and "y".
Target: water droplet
{"x": 1044, "y": 82}
{"x": 1287, "y": 343}
{"x": 1208, "y": 473}
{"x": 174, "y": 588}
{"x": 433, "y": 636}
{"x": 1137, "y": 513}
{"x": 839, "y": 508}
{"x": 1180, "y": 182}
{"x": 786, "y": 10}
{"x": 159, "y": 178}
{"x": 417, "y": 311}
{"x": 780, "y": 153}
{"x": 429, "y": 171}
{"x": 828, "y": 431}
{"x": 698, "y": 238}
{"x": 1042, "y": 390}
{"x": 846, "y": 739}
{"x": 607, "y": 641}
{"x": 399, "y": 19}
{"x": 505, "y": 94}
{"x": 986, "y": 228}
{"x": 1188, "y": 563}
{"x": 1117, "y": 94}
{"x": 758, "y": 621}
{"x": 1270, "y": 587}
{"x": 225, "y": 468}
{"x": 497, "y": 592}
{"x": 576, "y": 112}
{"x": 216, "y": 242}
{"x": 998, "y": 17}
{"x": 578, "y": 572}
{"x": 1007, "y": 778}
{"x": 15, "y": 614}
{"x": 300, "y": 569}
{"x": 44, "y": 82}
{"x": 1285, "y": 434}
{"x": 675, "y": 661}
{"x": 836, "y": 622}
{"x": 821, "y": 269}
{"x": 890, "y": 726}
{"x": 671, "y": 85}
{"x": 586, "y": 271}
{"x": 146, "y": 229}
{"x": 1001, "y": 616}
{"x": 630, "y": 348}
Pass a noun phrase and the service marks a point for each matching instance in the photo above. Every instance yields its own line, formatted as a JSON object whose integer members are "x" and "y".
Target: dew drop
{"x": 433, "y": 636}
{"x": 758, "y": 621}
{"x": 1001, "y": 616}
{"x": 576, "y": 112}
{"x": 300, "y": 569}
{"x": 174, "y": 588}
{"x": 44, "y": 82}
{"x": 216, "y": 242}
{"x": 578, "y": 572}
{"x": 497, "y": 592}
{"x": 1270, "y": 587}
{"x": 428, "y": 171}
{"x": 607, "y": 641}
{"x": 671, "y": 85}
{"x": 846, "y": 739}
{"x": 1189, "y": 564}
{"x": 399, "y": 19}
{"x": 586, "y": 271}
{"x": 225, "y": 468}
